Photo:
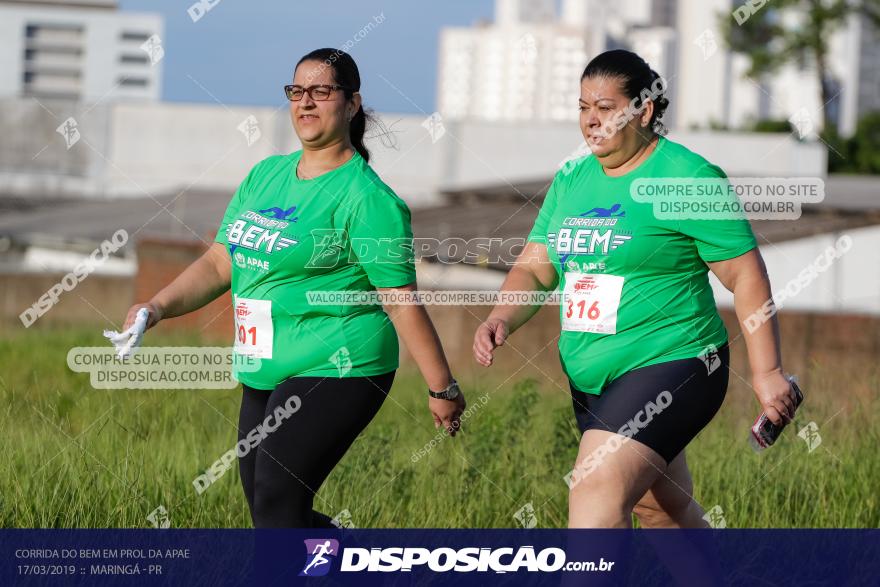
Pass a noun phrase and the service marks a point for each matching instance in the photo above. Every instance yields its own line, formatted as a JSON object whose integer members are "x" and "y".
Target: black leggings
{"x": 284, "y": 472}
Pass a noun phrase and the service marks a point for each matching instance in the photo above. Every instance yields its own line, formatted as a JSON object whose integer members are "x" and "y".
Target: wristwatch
{"x": 452, "y": 391}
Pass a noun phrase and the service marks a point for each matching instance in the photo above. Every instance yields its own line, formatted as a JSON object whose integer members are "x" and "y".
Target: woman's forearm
{"x": 762, "y": 342}
{"x": 414, "y": 326}
{"x": 518, "y": 279}
{"x": 201, "y": 282}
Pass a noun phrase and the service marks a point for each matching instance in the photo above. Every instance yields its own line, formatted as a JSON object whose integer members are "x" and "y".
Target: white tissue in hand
{"x": 126, "y": 342}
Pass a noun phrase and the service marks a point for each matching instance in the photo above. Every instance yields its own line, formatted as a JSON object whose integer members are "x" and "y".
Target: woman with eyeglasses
{"x": 316, "y": 222}
{"x": 642, "y": 343}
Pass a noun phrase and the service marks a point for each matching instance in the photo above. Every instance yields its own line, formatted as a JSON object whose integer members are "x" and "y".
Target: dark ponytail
{"x": 636, "y": 79}
{"x": 357, "y": 128}
{"x": 345, "y": 73}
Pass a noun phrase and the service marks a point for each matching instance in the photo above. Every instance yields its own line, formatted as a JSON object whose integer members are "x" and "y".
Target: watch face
{"x": 450, "y": 392}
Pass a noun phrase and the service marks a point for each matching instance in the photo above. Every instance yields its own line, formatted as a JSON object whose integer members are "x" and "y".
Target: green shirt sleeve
{"x": 718, "y": 240}
{"x": 538, "y": 233}
{"x": 380, "y": 233}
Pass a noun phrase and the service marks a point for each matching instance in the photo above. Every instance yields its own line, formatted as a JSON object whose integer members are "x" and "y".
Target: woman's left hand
{"x": 447, "y": 412}
{"x": 776, "y": 396}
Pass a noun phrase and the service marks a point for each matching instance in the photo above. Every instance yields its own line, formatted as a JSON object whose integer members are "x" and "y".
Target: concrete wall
{"x": 133, "y": 149}
{"x": 170, "y": 147}
{"x": 850, "y": 284}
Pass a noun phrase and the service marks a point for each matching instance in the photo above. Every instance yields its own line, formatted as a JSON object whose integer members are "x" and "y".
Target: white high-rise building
{"x": 79, "y": 50}
{"x": 512, "y": 12}
{"x": 527, "y": 64}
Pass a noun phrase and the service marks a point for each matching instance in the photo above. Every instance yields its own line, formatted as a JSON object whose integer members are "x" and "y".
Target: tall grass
{"x": 78, "y": 457}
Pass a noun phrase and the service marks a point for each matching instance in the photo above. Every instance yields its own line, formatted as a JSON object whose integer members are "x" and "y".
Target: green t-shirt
{"x": 639, "y": 286}
{"x": 343, "y": 231}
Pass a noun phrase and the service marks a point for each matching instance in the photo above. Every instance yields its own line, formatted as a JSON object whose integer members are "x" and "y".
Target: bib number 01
{"x": 590, "y": 302}
{"x": 243, "y": 335}
{"x": 253, "y": 327}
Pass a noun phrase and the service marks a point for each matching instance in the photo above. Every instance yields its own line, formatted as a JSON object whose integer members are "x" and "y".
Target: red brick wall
{"x": 807, "y": 338}
{"x": 97, "y": 300}
{"x": 844, "y": 343}
{"x": 159, "y": 262}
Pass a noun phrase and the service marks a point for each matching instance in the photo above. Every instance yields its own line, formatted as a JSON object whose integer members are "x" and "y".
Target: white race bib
{"x": 591, "y": 301}
{"x": 253, "y": 327}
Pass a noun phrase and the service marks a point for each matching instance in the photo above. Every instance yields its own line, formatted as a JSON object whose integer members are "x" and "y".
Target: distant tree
{"x": 866, "y": 144}
{"x": 840, "y": 152}
{"x": 756, "y": 29}
{"x": 772, "y": 125}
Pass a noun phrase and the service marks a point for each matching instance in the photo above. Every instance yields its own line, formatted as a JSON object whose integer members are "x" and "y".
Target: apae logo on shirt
{"x": 243, "y": 261}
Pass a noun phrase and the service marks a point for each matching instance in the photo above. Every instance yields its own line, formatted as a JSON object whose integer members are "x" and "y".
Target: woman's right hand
{"x": 153, "y": 319}
{"x": 776, "y": 396}
{"x": 490, "y": 335}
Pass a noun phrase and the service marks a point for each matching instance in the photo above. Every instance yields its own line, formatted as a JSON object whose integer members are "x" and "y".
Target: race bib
{"x": 253, "y": 327}
{"x": 590, "y": 302}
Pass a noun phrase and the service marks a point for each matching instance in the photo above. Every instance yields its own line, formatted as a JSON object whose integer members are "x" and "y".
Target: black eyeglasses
{"x": 318, "y": 93}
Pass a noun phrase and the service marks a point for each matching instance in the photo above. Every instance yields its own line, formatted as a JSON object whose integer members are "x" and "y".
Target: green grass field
{"x": 86, "y": 458}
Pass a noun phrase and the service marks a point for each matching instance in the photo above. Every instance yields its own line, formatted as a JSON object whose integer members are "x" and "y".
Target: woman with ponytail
{"x": 306, "y": 237}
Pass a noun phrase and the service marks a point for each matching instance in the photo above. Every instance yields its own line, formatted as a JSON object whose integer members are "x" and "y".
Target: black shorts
{"x": 663, "y": 406}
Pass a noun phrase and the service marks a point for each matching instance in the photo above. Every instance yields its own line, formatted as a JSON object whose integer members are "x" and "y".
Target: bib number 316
{"x": 590, "y": 302}
{"x": 253, "y": 328}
